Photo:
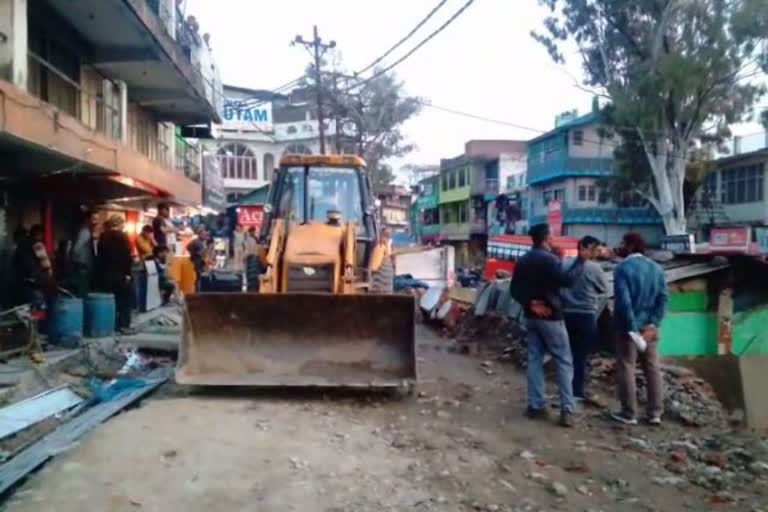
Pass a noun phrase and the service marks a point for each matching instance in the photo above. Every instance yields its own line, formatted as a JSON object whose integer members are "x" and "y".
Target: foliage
{"x": 370, "y": 117}
{"x": 674, "y": 70}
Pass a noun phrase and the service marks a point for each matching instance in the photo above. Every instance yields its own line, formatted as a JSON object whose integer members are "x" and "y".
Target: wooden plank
{"x": 60, "y": 439}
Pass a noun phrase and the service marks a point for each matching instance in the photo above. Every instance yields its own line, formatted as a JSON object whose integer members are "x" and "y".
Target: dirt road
{"x": 462, "y": 445}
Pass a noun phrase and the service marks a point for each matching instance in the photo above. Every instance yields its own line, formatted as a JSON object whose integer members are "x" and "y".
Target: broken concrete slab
{"x": 154, "y": 341}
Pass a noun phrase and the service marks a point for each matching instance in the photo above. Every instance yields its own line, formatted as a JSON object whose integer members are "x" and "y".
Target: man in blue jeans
{"x": 582, "y": 304}
{"x": 536, "y": 285}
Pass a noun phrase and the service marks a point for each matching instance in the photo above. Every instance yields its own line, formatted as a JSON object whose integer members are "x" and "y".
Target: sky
{"x": 485, "y": 63}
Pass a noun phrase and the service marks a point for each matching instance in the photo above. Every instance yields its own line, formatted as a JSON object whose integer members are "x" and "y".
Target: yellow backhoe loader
{"x": 325, "y": 314}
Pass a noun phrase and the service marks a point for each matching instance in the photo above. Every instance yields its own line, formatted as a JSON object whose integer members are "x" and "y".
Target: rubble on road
{"x": 688, "y": 399}
{"x": 723, "y": 463}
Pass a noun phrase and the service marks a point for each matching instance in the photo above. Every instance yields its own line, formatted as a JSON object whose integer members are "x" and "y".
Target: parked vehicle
{"x": 504, "y": 251}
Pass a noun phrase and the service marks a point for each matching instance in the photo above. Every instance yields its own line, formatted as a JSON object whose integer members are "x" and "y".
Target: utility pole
{"x": 317, "y": 48}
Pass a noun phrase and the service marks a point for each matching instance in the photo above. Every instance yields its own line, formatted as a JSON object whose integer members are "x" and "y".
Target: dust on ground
{"x": 462, "y": 444}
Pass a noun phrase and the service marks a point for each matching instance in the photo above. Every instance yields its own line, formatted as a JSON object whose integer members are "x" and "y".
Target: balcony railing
{"x": 455, "y": 231}
{"x": 623, "y": 216}
{"x": 558, "y": 164}
{"x": 55, "y": 87}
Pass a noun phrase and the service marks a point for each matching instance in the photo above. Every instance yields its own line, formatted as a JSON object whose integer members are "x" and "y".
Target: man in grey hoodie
{"x": 582, "y": 304}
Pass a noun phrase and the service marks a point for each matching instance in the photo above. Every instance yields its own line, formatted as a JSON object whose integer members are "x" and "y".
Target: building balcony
{"x": 557, "y": 166}
{"x": 141, "y": 43}
{"x": 455, "y": 231}
{"x": 622, "y": 216}
{"x": 488, "y": 188}
{"x": 39, "y": 139}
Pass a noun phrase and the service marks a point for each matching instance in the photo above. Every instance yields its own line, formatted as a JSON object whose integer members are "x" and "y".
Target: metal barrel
{"x": 302, "y": 339}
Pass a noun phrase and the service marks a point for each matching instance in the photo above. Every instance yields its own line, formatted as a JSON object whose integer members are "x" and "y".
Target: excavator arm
{"x": 270, "y": 278}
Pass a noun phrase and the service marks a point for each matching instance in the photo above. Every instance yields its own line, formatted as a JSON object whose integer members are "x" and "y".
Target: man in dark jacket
{"x": 113, "y": 270}
{"x": 640, "y": 298}
{"x": 536, "y": 285}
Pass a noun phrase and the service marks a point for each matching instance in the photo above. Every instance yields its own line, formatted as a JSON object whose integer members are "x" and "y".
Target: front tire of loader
{"x": 382, "y": 280}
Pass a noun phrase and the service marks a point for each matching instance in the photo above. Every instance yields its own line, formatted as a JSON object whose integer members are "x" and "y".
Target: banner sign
{"x": 555, "y": 218}
{"x": 248, "y": 216}
{"x": 731, "y": 239}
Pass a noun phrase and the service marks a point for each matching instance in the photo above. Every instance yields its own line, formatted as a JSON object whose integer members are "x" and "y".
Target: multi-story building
{"x": 395, "y": 207}
{"x": 258, "y": 127}
{"x": 736, "y": 193}
{"x": 467, "y": 184}
{"x": 426, "y": 222}
{"x": 93, "y": 99}
{"x": 566, "y": 165}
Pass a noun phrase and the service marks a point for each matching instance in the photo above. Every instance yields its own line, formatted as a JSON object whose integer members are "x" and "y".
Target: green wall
{"x": 688, "y": 333}
{"x": 689, "y": 329}
{"x": 750, "y": 332}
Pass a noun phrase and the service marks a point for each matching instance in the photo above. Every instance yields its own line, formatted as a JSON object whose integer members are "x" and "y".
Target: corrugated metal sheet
{"x": 23, "y": 414}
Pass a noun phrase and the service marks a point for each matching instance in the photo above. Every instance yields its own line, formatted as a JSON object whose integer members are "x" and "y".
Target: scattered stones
{"x": 170, "y": 454}
{"x": 668, "y": 480}
{"x": 508, "y": 485}
{"x": 558, "y": 489}
{"x": 527, "y": 455}
{"x": 679, "y": 457}
{"x": 537, "y": 477}
{"x": 584, "y": 490}
{"x": 717, "y": 459}
{"x": 758, "y": 468}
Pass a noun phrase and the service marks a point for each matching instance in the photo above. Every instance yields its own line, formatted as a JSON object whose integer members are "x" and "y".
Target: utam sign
{"x": 246, "y": 114}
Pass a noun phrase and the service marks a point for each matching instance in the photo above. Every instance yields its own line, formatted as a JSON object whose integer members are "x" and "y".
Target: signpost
{"x": 731, "y": 239}
{"x": 244, "y": 114}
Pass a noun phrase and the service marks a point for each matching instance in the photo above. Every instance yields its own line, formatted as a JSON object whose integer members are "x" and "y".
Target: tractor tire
{"x": 382, "y": 280}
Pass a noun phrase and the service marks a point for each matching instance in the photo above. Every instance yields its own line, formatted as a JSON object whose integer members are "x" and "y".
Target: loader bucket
{"x": 248, "y": 339}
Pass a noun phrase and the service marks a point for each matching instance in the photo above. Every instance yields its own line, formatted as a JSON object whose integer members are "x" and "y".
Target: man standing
{"x": 36, "y": 270}
{"x": 536, "y": 285}
{"x": 114, "y": 263}
{"x": 83, "y": 254}
{"x": 198, "y": 252}
{"x": 582, "y": 304}
{"x": 640, "y": 298}
{"x": 163, "y": 227}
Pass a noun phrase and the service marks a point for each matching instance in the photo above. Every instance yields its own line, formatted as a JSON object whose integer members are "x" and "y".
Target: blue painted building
{"x": 566, "y": 164}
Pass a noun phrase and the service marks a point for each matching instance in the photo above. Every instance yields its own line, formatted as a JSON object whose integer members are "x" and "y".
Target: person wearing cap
{"x": 640, "y": 299}
{"x": 113, "y": 269}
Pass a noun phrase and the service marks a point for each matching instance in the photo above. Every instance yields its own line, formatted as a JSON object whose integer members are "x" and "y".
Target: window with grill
{"x": 578, "y": 138}
{"x": 452, "y": 180}
{"x": 462, "y": 177}
{"x": 238, "y": 161}
{"x": 743, "y": 184}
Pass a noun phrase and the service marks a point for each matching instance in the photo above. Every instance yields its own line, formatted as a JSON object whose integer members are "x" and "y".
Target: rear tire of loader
{"x": 382, "y": 280}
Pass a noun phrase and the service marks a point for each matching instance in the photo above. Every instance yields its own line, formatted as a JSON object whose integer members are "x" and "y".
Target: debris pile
{"x": 723, "y": 464}
{"x": 688, "y": 399}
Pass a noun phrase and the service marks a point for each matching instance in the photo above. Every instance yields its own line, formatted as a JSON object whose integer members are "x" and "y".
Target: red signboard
{"x": 555, "y": 218}
{"x": 731, "y": 239}
{"x": 248, "y": 216}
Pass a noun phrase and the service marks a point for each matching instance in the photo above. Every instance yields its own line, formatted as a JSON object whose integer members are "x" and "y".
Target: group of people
{"x": 99, "y": 258}
{"x": 563, "y": 301}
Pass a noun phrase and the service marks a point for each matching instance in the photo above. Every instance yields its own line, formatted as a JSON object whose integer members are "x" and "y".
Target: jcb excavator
{"x": 325, "y": 314}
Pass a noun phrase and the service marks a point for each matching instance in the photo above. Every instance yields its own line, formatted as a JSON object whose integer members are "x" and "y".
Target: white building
{"x": 258, "y": 128}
